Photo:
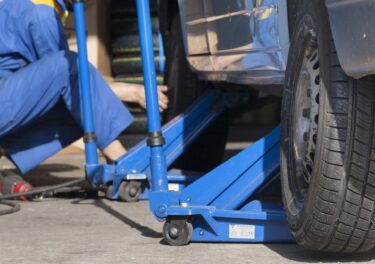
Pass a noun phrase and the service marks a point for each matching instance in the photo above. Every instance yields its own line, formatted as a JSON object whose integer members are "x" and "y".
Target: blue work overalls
{"x": 40, "y": 107}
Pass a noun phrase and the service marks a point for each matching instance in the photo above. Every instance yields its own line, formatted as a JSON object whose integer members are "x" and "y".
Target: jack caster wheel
{"x": 177, "y": 231}
{"x": 130, "y": 191}
{"x": 108, "y": 192}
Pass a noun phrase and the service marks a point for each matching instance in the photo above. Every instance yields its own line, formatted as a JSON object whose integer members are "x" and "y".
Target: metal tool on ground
{"x": 226, "y": 204}
{"x": 28, "y": 193}
{"x": 14, "y": 184}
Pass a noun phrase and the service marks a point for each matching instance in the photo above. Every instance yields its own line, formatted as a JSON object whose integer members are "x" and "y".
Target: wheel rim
{"x": 305, "y": 119}
{"x": 177, "y": 231}
{"x": 130, "y": 191}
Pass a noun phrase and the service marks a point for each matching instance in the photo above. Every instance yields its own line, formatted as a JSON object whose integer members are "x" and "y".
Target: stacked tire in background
{"x": 126, "y": 60}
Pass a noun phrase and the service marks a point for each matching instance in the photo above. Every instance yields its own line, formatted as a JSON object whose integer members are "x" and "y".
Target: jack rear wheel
{"x": 108, "y": 192}
{"x": 177, "y": 231}
{"x": 130, "y": 191}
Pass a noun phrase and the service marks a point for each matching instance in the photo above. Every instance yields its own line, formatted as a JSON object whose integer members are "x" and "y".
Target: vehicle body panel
{"x": 353, "y": 28}
{"x": 236, "y": 41}
{"x": 247, "y": 41}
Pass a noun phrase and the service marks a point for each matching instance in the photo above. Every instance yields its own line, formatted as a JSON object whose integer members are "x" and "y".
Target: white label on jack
{"x": 242, "y": 231}
{"x": 174, "y": 187}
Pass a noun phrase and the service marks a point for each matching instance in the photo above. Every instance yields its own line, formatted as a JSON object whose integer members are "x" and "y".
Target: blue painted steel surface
{"x": 161, "y": 53}
{"x": 79, "y": 16}
{"x": 220, "y": 204}
{"x": 177, "y": 182}
{"x": 176, "y": 175}
{"x": 239, "y": 191}
{"x": 148, "y": 64}
{"x": 236, "y": 179}
{"x": 99, "y": 174}
{"x": 262, "y": 222}
{"x": 159, "y": 180}
{"x": 179, "y": 133}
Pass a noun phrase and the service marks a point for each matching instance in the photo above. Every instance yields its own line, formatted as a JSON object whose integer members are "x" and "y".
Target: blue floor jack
{"x": 226, "y": 204}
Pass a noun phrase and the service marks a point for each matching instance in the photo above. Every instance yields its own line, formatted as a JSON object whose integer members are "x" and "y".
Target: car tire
{"x": 327, "y": 142}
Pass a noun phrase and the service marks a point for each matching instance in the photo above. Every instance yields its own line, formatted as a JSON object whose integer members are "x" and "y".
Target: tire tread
{"x": 354, "y": 229}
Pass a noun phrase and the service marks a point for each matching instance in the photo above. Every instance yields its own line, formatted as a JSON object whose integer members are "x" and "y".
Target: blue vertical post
{"x": 155, "y": 140}
{"x": 84, "y": 76}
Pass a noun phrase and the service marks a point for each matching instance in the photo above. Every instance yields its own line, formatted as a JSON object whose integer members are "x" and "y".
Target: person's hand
{"x": 163, "y": 99}
{"x": 135, "y": 93}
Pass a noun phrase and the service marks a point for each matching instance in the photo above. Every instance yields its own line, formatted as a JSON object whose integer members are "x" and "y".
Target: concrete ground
{"x": 83, "y": 230}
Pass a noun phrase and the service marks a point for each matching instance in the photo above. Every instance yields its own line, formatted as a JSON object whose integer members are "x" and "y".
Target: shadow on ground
{"x": 297, "y": 253}
{"x": 50, "y": 174}
{"x": 144, "y": 230}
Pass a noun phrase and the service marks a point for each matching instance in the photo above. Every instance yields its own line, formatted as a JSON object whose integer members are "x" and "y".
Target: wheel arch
{"x": 352, "y": 23}
{"x": 354, "y": 39}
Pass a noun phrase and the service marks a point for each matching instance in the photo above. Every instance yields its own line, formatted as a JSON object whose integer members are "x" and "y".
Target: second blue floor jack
{"x": 226, "y": 204}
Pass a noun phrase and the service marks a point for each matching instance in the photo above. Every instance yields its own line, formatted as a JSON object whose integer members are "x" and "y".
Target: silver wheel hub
{"x": 306, "y": 116}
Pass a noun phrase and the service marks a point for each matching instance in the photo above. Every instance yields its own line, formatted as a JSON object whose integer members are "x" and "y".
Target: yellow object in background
{"x": 52, "y": 3}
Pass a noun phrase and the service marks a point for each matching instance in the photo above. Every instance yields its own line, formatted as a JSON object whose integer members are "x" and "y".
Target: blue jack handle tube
{"x": 84, "y": 76}
{"x": 155, "y": 140}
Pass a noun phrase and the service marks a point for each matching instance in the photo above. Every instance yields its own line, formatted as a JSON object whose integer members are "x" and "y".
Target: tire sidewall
{"x": 310, "y": 18}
